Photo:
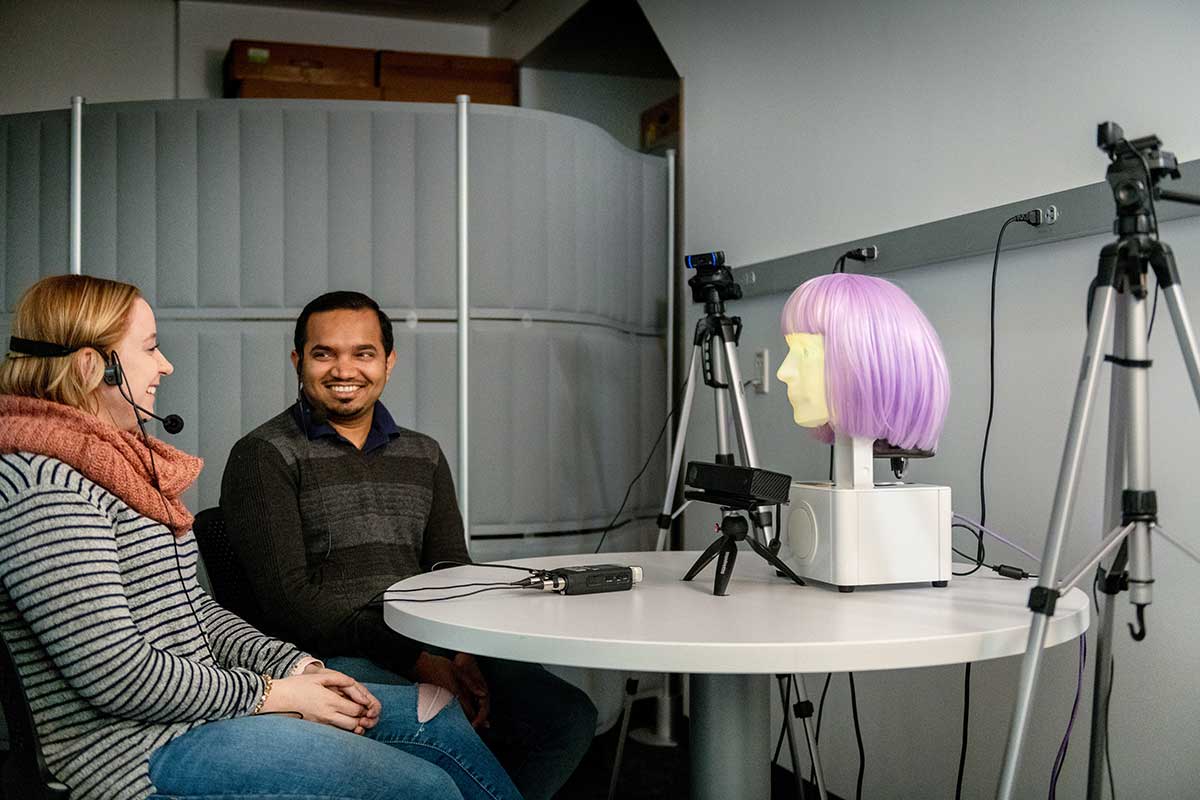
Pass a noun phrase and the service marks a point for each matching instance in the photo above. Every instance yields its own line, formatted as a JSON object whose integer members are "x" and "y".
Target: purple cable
{"x": 972, "y": 523}
{"x": 1061, "y": 758}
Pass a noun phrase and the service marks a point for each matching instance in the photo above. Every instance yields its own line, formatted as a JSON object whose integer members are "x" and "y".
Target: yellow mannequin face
{"x": 803, "y": 370}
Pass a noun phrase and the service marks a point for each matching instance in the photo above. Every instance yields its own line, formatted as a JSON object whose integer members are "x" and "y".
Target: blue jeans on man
{"x": 539, "y": 728}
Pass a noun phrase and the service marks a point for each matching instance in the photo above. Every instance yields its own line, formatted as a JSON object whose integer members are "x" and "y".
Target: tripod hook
{"x": 1139, "y": 632}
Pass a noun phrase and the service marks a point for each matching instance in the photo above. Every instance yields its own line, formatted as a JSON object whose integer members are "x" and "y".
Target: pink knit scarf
{"x": 117, "y": 460}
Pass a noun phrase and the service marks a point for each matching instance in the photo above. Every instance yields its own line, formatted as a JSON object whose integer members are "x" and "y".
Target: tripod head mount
{"x": 1136, "y": 169}
{"x": 713, "y": 282}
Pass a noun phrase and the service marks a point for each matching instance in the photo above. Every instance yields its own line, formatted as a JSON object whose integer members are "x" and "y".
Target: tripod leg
{"x": 809, "y": 735}
{"x": 685, "y": 413}
{"x": 1114, "y": 482}
{"x": 774, "y": 561}
{"x": 725, "y": 561}
{"x": 785, "y": 697}
{"x": 631, "y": 687}
{"x": 720, "y": 406}
{"x": 745, "y": 433}
{"x": 1064, "y": 496}
{"x": 708, "y": 555}
{"x": 1164, "y": 267}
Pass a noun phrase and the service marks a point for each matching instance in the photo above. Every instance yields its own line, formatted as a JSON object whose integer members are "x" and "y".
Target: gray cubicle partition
{"x": 231, "y": 214}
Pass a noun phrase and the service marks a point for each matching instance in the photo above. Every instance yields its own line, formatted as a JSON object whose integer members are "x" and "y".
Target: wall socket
{"x": 762, "y": 371}
{"x": 1051, "y": 215}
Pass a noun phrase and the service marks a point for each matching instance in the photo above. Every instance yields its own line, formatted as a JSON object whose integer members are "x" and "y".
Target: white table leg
{"x": 730, "y": 737}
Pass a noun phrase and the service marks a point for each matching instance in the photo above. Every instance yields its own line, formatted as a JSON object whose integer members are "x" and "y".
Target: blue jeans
{"x": 540, "y": 725}
{"x": 283, "y": 757}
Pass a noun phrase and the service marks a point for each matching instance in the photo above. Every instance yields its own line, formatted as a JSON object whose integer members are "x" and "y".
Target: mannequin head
{"x": 876, "y": 356}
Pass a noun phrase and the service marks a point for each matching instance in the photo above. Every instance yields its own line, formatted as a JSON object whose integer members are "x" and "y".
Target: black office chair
{"x": 24, "y": 774}
{"x": 230, "y": 588}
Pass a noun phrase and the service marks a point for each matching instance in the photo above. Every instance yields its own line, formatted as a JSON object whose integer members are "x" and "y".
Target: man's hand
{"x": 462, "y": 678}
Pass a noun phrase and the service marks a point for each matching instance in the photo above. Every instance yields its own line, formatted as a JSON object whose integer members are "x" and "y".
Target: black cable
{"x": 123, "y": 387}
{"x": 839, "y": 265}
{"x": 380, "y": 597}
{"x": 449, "y": 562}
{"x": 980, "y": 556}
{"x": 1153, "y": 221}
{"x": 862, "y": 759}
{"x": 1112, "y": 664}
{"x": 612, "y": 524}
{"x": 448, "y": 597}
{"x": 987, "y": 432}
{"x": 787, "y": 698}
{"x": 448, "y": 587}
{"x": 1153, "y": 310}
{"x": 962, "y": 753}
{"x": 1149, "y": 184}
{"x": 820, "y": 715}
{"x": 1112, "y": 672}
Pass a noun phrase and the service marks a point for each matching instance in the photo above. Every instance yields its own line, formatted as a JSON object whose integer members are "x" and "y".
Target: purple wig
{"x": 885, "y": 374}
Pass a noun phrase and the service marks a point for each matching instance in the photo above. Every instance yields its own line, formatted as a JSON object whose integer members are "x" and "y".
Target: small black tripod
{"x": 725, "y": 549}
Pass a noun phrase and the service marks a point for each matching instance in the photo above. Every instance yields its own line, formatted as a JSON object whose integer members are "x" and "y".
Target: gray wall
{"x": 53, "y": 49}
{"x": 230, "y": 215}
{"x": 807, "y": 124}
{"x": 614, "y": 102}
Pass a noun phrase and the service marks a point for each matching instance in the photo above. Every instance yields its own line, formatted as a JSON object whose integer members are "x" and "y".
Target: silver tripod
{"x": 715, "y": 348}
{"x": 1130, "y": 502}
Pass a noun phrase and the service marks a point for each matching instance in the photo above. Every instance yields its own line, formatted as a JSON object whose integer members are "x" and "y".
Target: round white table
{"x": 731, "y": 645}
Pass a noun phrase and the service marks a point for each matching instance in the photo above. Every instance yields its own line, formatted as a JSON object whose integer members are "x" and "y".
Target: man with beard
{"x": 331, "y": 502}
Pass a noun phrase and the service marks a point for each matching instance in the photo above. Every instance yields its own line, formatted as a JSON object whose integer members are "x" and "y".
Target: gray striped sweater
{"x": 113, "y": 657}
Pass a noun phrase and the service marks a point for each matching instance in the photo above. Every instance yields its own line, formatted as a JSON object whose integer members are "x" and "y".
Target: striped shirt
{"x": 115, "y": 660}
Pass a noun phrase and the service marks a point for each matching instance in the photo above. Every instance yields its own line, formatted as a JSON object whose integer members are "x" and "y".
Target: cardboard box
{"x": 660, "y": 124}
{"x": 313, "y": 91}
{"x": 433, "y": 78}
{"x": 297, "y": 63}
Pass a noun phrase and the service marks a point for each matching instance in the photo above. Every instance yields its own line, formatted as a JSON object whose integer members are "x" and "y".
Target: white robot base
{"x": 882, "y": 535}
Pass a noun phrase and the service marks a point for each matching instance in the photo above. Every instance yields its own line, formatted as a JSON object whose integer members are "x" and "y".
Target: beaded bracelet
{"x": 266, "y": 692}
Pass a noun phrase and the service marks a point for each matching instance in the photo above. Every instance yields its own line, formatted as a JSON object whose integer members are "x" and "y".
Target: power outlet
{"x": 762, "y": 371}
{"x": 1051, "y": 215}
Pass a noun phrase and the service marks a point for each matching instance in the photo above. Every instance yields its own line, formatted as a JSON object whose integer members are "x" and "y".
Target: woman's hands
{"x": 460, "y": 677}
{"x": 326, "y": 696}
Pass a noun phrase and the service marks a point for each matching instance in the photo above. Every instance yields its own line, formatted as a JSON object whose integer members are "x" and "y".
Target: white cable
{"x": 1187, "y": 551}
{"x": 679, "y": 510}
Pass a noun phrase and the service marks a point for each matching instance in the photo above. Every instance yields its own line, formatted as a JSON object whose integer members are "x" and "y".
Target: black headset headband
{"x": 33, "y": 347}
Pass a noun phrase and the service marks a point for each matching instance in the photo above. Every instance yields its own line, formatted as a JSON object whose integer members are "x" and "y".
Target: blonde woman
{"x": 139, "y": 683}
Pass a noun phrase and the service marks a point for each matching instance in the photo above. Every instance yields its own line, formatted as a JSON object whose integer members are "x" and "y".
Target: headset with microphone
{"x": 113, "y": 374}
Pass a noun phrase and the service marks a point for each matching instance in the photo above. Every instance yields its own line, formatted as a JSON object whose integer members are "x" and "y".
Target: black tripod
{"x": 712, "y": 285}
{"x": 1131, "y": 504}
{"x": 725, "y": 549}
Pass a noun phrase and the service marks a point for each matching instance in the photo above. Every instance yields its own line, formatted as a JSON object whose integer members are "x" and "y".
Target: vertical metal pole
{"x": 464, "y": 324}
{"x": 1137, "y": 446}
{"x": 1114, "y": 482}
{"x": 74, "y": 235}
{"x": 663, "y": 544}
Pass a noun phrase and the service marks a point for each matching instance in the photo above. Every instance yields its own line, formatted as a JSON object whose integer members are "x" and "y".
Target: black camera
{"x": 713, "y": 282}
